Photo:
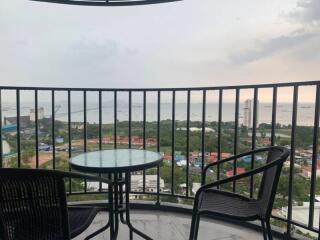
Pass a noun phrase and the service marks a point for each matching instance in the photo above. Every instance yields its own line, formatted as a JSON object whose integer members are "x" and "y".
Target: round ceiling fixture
{"x": 107, "y": 2}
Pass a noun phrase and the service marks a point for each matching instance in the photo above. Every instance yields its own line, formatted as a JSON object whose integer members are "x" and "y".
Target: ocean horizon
{"x": 305, "y": 115}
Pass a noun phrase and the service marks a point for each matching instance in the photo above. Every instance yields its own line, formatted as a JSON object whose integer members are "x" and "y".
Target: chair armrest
{"x": 204, "y": 172}
{"x": 240, "y": 176}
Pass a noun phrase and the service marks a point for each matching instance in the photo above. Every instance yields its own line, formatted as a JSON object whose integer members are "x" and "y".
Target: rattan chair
{"x": 211, "y": 201}
{"x": 33, "y": 205}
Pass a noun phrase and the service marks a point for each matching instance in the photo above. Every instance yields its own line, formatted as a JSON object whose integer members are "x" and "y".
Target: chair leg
{"x": 197, "y": 227}
{"x": 194, "y": 226}
{"x": 265, "y": 237}
{"x": 269, "y": 229}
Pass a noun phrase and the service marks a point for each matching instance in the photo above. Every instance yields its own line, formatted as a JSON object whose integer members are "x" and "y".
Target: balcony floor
{"x": 173, "y": 226}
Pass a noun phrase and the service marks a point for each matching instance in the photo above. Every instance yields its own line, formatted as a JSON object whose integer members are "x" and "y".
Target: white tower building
{"x": 248, "y": 113}
{"x": 40, "y": 114}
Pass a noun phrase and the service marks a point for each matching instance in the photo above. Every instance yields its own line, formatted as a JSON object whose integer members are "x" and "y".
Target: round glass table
{"x": 117, "y": 164}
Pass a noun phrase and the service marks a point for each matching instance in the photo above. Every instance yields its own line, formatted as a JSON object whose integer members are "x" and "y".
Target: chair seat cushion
{"x": 80, "y": 219}
{"x": 218, "y": 202}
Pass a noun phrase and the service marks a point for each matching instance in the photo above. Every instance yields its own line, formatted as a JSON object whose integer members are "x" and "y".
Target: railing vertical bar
{"x": 18, "y": 127}
{"x": 53, "y": 129}
{"x": 173, "y": 140}
{"x": 1, "y": 148}
{"x": 203, "y": 131}
{"x": 69, "y": 136}
{"x": 115, "y": 120}
{"x": 130, "y": 119}
{"x": 254, "y": 133}
{"x": 144, "y": 134}
{"x": 36, "y": 123}
{"x": 235, "y": 139}
{"x": 219, "y": 132}
{"x": 100, "y": 120}
{"x": 292, "y": 157}
{"x": 158, "y": 146}
{"x": 84, "y": 121}
{"x": 188, "y": 143}
{"x": 85, "y": 129}
{"x": 274, "y": 116}
{"x": 100, "y": 130}
{"x": 130, "y": 127}
{"x": 314, "y": 157}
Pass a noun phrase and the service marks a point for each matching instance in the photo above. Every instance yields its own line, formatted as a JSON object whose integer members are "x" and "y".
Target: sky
{"x": 191, "y": 43}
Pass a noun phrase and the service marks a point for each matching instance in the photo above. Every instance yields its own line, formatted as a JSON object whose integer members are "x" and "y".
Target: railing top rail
{"x": 107, "y": 3}
{"x": 231, "y": 87}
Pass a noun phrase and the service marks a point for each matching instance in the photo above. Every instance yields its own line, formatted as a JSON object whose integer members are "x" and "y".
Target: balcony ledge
{"x": 175, "y": 219}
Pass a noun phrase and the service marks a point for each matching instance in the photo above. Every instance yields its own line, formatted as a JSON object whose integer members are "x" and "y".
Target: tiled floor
{"x": 172, "y": 226}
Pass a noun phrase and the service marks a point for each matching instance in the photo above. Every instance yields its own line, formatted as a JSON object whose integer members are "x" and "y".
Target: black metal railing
{"x": 288, "y": 220}
{"x": 108, "y": 3}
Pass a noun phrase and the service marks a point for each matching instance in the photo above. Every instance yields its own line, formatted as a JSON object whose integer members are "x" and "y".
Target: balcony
{"x": 191, "y": 127}
{"x": 174, "y": 226}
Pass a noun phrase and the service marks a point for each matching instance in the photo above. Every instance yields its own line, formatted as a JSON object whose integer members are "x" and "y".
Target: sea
{"x": 305, "y": 111}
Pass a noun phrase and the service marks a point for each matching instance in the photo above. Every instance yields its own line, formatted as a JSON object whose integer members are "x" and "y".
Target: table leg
{"x": 131, "y": 228}
{"x": 111, "y": 209}
{"x": 121, "y": 184}
{"x": 116, "y": 206}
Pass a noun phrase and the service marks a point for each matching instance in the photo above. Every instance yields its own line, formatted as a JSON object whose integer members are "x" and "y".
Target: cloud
{"x": 272, "y": 46}
{"x": 92, "y": 51}
{"x": 307, "y": 12}
{"x": 307, "y": 15}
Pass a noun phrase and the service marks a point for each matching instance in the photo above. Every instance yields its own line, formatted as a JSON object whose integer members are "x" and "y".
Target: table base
{"x": 119, "y": 209}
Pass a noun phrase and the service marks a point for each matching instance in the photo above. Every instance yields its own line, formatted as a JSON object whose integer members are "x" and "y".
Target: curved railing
{"x": 107, "y": 3}
{"x": 43, "y": 127}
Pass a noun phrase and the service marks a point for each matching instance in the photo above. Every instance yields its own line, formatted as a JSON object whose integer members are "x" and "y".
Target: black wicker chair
{"x": 33, "y": 205}
{"x": 211, "y": 201}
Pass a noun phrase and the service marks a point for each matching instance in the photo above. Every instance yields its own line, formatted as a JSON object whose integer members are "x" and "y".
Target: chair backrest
{"x": 32, "y": 205}
{"x": 270, "y": 178}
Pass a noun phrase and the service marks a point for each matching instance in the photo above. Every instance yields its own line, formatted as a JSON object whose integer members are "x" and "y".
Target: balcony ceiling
{"x": 107, "y": 2}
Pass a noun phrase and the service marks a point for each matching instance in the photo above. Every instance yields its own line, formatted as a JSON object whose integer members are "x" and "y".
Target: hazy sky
{"x": 188, "y": 43}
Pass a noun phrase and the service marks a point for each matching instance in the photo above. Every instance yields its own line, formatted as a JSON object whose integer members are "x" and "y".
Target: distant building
{"x": 182, "y": 163}
{"x": 24, "y": 121}
{"x": 248, "y": 113}
{"x": 240, "y": 170}
{"x": 77, "y": 125}
{"x": 33, "y": 114}
{"x": 209, "y": 157}
{"x": 136, "y": 185}
{"x": 195, "y": 187}
{"x": 151, "y": 183}
{"x": 214, "y": 156}
{"x": 307, "y": 170}
{"x": 195, "y": 129}
{"x": 44, "y": 147}
{"x": 59, "y": 140}
{"x": 183, "y": 188}
{"x": 135, "y": 140}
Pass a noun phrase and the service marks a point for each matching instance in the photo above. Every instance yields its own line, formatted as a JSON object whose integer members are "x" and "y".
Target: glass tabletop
{"x": 117, "y": 160}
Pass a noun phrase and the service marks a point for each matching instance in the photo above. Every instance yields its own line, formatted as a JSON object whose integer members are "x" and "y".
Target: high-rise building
{"x": 248, "y": 113}
{"x": 33, "y": 114}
